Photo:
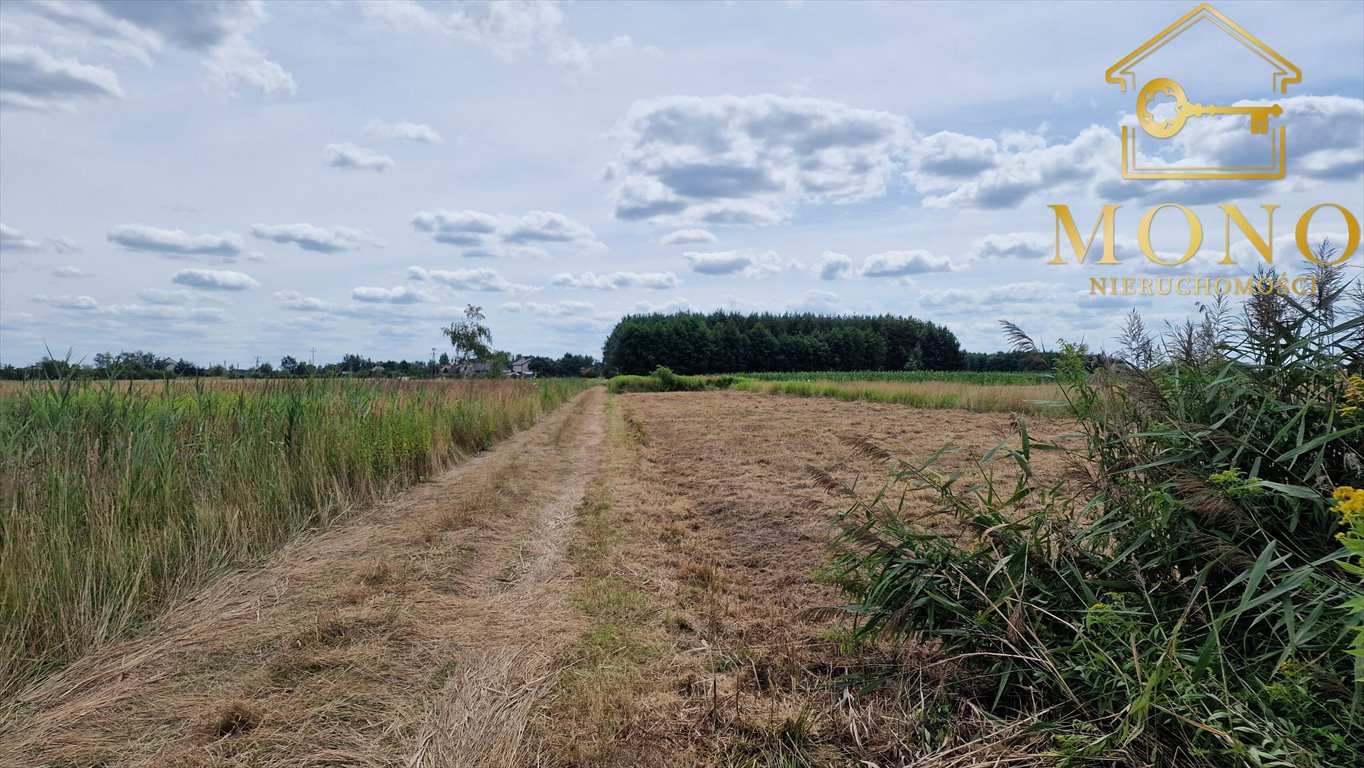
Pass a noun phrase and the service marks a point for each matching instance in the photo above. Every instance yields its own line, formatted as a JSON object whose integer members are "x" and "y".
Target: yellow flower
{"x": 1098, "y": 607}
{"x": 1342, "y": 493}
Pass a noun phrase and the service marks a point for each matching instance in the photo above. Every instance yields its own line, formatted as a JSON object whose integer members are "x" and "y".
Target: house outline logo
{"x": 1283, "y": 73}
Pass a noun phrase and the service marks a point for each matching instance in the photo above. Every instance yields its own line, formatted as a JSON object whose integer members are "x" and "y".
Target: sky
{"x": 232, "y": 181}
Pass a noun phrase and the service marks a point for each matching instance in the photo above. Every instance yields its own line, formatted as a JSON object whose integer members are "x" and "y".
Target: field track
{"x": 418, "y": 634}
{"x": 625, "y": 583}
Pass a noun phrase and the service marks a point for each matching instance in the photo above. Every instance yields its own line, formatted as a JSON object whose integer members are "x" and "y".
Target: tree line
{"x": 140, "y": 364}
{"x": 723, "y": 342}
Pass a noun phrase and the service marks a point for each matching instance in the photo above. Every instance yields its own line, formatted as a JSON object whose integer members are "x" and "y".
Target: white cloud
{"x": 456, "y": 227}
{"x": 414, "y": 132}
{"x": 62, "y": 244}
{"x": 398, "y": 295}
{"x": 140, "y": 237}
{"x": 834, "y": 266}
{"x": 468, "y": 279}
{"x": 68, "y": 272}
{"x": 67, "y": 302}
{"x": 511, "y": 30}
{"x": 236, "y": 63}
{"x": 749, "y": 262}
{"x": 84, "y": 26}
{"x": 1013, "y": 245}
{"x": 214, "y": 279}
{"x": 12, "y": 239}
{"x": 957, "y": 171}
{"x": 547, "y": 227}
{"x": 903, "y": 263}
{"x": 193, "y": 26}
{"x": 218, "y": 31}
{"x": 817, "y": 302}
{"x": 614, "y": 280}
{"x": 488, "y": 234}
{"x": 293, "y": 300}
{"x": 670, "y": 306}
{"x": 351, "y": 156}
{"x": 169, "y": 298}
{"x": 550, "y": 309}
{"x": 310, "y": 237}
{"x": 1031, "y": 294}
{"x": 748, "y": 161}
{"x": 32, "y": 78}
{"x": 88, "y": 306}
{"x": 687, "y": 237}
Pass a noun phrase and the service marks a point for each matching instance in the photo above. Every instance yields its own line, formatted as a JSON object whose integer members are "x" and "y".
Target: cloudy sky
{"x": 227, "y": 180}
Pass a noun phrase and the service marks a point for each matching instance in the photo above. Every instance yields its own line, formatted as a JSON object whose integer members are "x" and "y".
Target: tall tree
{"x": 470, "y": 337}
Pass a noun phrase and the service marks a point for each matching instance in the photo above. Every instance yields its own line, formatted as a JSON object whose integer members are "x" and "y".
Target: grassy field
{"x": 956, "y": 377}
{"x": 1022, "y": 395}
{"x": 117, "y": 498}
{"x": 972, "y": 391}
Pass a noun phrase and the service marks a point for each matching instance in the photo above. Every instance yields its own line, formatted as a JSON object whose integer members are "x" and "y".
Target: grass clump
{"x": 1193, "y": 606}
{"x": 117, "y": 499}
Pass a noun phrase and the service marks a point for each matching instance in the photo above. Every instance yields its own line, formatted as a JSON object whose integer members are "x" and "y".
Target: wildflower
{"x": 1349, "y": 503}
{"x": 1098, "y": 607}
{"x": 1354, "y": 396}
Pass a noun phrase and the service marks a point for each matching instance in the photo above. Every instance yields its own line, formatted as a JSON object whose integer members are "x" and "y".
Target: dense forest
{"x": 722, "y": 342}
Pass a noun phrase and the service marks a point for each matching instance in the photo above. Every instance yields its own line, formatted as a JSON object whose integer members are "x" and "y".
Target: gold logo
{"x": 1163, "y": 108}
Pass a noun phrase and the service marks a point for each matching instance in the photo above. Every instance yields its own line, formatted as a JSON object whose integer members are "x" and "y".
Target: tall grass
{"x": 115, "y": 498}
{"x": 990, "y": 392}
{"x": 1189, "y": 607}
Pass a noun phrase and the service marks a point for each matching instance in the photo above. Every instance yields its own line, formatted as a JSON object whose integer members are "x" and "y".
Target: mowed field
{"x": 634, "y": 580}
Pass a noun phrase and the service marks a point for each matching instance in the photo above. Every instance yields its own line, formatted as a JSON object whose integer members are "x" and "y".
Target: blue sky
{"x": 222, "y": 181}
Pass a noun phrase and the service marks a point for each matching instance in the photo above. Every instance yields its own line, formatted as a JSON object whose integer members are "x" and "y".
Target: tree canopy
{"x": 470, "y": 337}
{"x": 722, "y": 342}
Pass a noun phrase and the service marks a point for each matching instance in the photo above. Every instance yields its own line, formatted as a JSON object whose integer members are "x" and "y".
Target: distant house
{"x": 474, "y": 369}
{"x": 520, "y": 368}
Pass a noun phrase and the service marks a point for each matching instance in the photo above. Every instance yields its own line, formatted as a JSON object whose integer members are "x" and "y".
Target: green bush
{"x": 664, "y": 380}
{"x": 1187, "y": 607}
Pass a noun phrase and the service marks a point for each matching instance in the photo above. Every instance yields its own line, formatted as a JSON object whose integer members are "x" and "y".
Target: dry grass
{"x": 707, "y": 647}
{"x": 420, "y": 633}
{"x": 579, "y": 596}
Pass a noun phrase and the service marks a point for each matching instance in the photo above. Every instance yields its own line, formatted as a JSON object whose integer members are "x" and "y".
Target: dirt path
{"x": 421, "y": 633}
{"x": 725, "y": 653}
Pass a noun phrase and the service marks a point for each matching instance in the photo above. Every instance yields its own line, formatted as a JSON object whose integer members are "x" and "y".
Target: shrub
{"x": 1193, "y": 607}
{"x": 664, "y": 380}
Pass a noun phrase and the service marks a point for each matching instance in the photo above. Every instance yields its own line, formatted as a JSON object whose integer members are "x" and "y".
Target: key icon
{"x": 1164, "y": 129}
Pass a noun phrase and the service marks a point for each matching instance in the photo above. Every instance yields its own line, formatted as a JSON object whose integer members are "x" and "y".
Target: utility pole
{"x": 312, "y": 356}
